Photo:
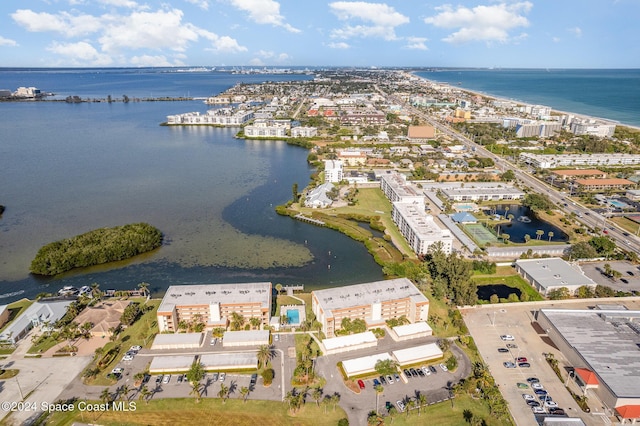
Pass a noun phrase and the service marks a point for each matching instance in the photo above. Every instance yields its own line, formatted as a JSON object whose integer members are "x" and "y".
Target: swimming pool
{"x": 293, "y": 316}
{"x": 618, "y": 204}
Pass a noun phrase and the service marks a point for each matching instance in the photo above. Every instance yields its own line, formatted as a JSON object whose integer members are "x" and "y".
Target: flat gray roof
{"x": 229, "y": 360}
{"x": 554, "y": 272}
{"x": 610, "y": 346}
{"x": 204, "y": 294}
{"x": 171, "y": 363}
{"x": 246, "y": 336}
{"x": 367, "y": 294}
{"x": 177, "y": 339}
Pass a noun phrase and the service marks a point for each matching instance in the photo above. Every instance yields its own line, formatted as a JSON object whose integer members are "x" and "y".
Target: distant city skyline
{"x": 257, "y": 33}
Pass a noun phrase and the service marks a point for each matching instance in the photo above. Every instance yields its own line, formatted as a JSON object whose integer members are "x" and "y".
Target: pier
{"x": 304, "y": 218}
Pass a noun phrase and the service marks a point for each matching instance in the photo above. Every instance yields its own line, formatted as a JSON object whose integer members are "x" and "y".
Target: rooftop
{"x": 608, "y": 341}
{"x": 410, "y": 329}
{"x": 246, "y": 336}
{"x": 417, "y": 353}
{"x": 367, "y": 294}
{"x": 554, "y": 272}
{"x": 578, "y": 172}
{"x": 610, "y": 181}
{"x": 205, "y": 294}
{"x": 350, "y": 340}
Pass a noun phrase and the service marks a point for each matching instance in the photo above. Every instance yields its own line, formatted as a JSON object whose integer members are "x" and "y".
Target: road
{"x": 584, "y": 215}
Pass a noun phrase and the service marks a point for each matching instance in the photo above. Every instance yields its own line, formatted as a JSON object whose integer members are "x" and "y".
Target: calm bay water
{"x": 68, "y": 168}
{"x": 611, "y": 94}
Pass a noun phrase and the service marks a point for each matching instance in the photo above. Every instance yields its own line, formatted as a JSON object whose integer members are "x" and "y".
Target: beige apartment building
{"x": 213, "y": 304}
{"x": 374, "y": 302}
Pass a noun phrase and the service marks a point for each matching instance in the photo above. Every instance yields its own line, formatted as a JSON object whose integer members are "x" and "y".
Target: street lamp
{"x": 493, "y": 322}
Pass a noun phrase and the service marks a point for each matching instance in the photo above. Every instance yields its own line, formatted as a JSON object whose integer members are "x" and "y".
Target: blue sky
{"x": 502, "y": 33}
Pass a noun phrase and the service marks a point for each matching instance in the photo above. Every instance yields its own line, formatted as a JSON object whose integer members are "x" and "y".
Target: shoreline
{"x": 522, "y": 102}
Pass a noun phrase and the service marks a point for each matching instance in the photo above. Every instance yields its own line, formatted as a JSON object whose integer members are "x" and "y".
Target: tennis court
{"x": 480, "y": 234}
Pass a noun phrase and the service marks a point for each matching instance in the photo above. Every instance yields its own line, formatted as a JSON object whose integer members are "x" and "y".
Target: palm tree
{"x": 144, "y": 393}
{"x": 279, "y": 288}
{"x": 393, "y": 411}
{"x": 379, "y": 389}
{"x": 223, "y": 393}
{"x": 410, "y": 406}
{"x": 550, "y": 234}
{"x": 510, "y": 217}
{"x": 124, "y": 391}
{"x": 105, "y": 396}
{"x": 255, "y": 322}
{"x": 144, "y": 288}
{"x": 527, "y": 237}
{"x": 264, "y": 355}
{"x": 539, "y": 233}
{"x": 95, "y": 291}
{"x": 196, "y": 390}
{"x": 317, "y": 395}
{"x": 422, "y": 401}
{"x": 505, "y": 238}
{"x": 244, "y": 392}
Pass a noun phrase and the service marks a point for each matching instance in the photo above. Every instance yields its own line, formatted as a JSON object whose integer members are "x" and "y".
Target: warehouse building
{"x": 553, "y": 273}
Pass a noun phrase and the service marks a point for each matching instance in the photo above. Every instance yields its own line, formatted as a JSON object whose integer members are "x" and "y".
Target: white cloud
{"x": 264, "y": 12}
{"x": 80, "y": 53}
{"x": 576, "y": 31}
{"x": 120, "y": 3}
{"x": 417, "y": 43}
{"x": 481, "y": 23}
{"x": 274, "y": 57}
{"x": 153, "y": 61}
{"x": 339, "y": 45}
{"x": 64, "y": 23}
{"x": 202, "y": 4}
{"x": 556, "y": 39}
{"x": 256, "y": 62}
{"x": 7, "y": 42}
{"x": 380, "y": 18}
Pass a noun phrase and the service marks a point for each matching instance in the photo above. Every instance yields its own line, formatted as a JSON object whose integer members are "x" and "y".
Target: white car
{"x": 426, "y": 371}
{"x": 222, "y": 376}
{"x": 118, "y": 370}
{"x": 550, "y": 404}
{"x": 528, "y": 397}
{"x": 127, "y": 357}
{"x": 401, "y": 406}
{"x": 135, "y": 348}
{"x": 166, "y": 379}
{"x": 537, "y": 386}
{"x": 277, "y": 337}
{"x": 538, "y": 410}
{"x": 507, "y": 337}
{"x": 444, "y": 367}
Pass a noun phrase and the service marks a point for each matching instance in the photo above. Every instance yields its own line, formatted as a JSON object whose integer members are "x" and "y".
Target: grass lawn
{"x": 43, "y": 346}
{"x": 15, "y": 309}
{"x": 443, "y": 414}
{"x": 208, "y": 411}
{"x": 626, "y": 224}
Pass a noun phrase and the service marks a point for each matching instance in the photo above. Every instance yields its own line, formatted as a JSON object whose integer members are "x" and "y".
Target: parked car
{"x": 503, "y": 350}
{"x": 426, "y": 371}
{"x": 254, "y": 379}
{"x": 180, "y": 378}
{"x": 540, "y": 392}
{"x": 522, "y": 385}
{"x": 433, "y": 369}
{"x": 214, "y": 377}
{"x": 407, "y": 373}
{"x": 557, "y": 411}
{"x": 420, "y": 372}
{"x": 222, "y": 377}
{"x": 146, "y": 379}
{"x": 521, "y": 359}
{"x": 512, "y": 346}
{"x": 360, "y": 384}
{"x": 135, "y": 348}
{"x": 507, "y": 337}
{"x": 397, "y": 376}
{"x": 533, "y": 380}
{"x": 401, "y": 406}
{"x": 158, "y": 379}
{"x": 524, "y": 365}
{"x": 537, "y": 410}
{"x": 388, "y": 405}
{"x": 383, "y": 380}
{"x": 537, "y": 385}
{"x": 117, "y": 370}
{"x": 376, "y": 382}
{"x": 214, "y": 340}
{"x": 443, "y": 367}
{"x": 509, "y": 364}
{"x": 413, "y": 371}
{"x": 166, "y": 379}
{"x": 550, "y": 404}
{"x": 533, "y": 403}
{"x": 390, "y": 379}
{"x": 127, "y": 357}
{"x": 528, "y": 397}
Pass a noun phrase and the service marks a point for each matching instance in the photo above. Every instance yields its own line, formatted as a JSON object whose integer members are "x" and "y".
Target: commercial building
{"x": 603, "y": 184}
{"x": 552, "y": 161}
{"x": 333, "y": 171}
{"x": 352, "y": 157}
{"x": 213, "y": 304}
{"x": 579, "y": 173}
{"x": 552, "y": 273}
{"x": 592, "y": 128}
{"x": 374, "y": 302}
{"x": 419, "y": 228}
{"x": 421, "y": 133}
{"x": 363, "y": 365}
{"x": 602, "y": 346}
{"x": 4, "y": 314}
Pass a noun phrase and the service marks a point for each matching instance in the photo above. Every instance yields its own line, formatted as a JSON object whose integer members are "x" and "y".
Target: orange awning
{"x": 629, "y": 411}
{"x": 587, "y": 376}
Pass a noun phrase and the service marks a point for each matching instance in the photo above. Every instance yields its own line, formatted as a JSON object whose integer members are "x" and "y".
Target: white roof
{"x": 229, "y": 360}
{"x": 40, "y": 311}
{"x": 246, "y": 336}
{"x": 177, "y": 339}
{"x": 417, "y": 353}
{"x": 410, "y": 329}
{"x": 554, "y": 272}
{"x": 363, "y": 364}
{"x": 351, "y": 340}
{"x": 205, "y": 294}
{"x": 171, "y": 363}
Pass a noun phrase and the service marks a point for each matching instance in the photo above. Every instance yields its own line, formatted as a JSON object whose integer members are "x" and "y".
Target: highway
{"x": 583, "y": 214}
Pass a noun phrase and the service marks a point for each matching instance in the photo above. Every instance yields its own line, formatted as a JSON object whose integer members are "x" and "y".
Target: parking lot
{"x": 629, "y": 281}
{"x": 486, "y": 324}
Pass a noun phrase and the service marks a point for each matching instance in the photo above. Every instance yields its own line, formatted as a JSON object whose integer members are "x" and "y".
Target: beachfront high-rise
{"x": 213, "y": 304}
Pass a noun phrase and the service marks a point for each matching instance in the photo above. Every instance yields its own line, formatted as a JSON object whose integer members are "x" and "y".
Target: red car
{"x": 521, "y": 359}
{"x": 361, "y": 384}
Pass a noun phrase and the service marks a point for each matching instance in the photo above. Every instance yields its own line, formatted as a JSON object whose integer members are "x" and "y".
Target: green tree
{"x": 584, "y": 292}
{"x": 550, "y": 234}
{"x": 494, "y": 299}
{"x": 508, "y": 176}
{"x": 223, "y": 393}
{"x": 264, "y": 354}
{"x": 513, "y": 298}
{"x": 604, "y": 291}
{"x": 604, "y": 246}
{"x": 144, "y": 288}
{"x": 130, "y": 314}
{"x": 244, "y": 392}
{"x": 196, "y": 372}
{"x": 539, "y": 234}
{"x": 386, "y": 367}
{"x": 105, "y": 396}
{"x": 582, "y": 250}
{"x": 294, "y": 190}
{"x": 537, "y": 202}
{"x": 422, "y": 401}
{"x": 527, "y": 238}
{"x": 505, "y": 238}
{"x": 559, "y": 293}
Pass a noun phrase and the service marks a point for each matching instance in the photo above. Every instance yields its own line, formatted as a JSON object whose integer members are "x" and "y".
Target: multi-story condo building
{"x": 352, "y": 157}
{"x": 603, "y": 184}
{"x": 268, "y": 128}
{"x": 482, "y": 193}
{"x": 216, "y": 117}
{"x": 552, "y": 161}
{"x": 593, "y": 128}
{"x": 419, "y": 228}
{"x": 396, "y": 188}
{"x": 213, "y": 304}
{"x": 374, "y": 302}
{"x": 303, "y": 132}
{"x": 333, "y": 171}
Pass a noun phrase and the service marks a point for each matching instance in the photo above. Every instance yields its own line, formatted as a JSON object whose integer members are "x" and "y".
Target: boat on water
{"x": 524, "y": 219}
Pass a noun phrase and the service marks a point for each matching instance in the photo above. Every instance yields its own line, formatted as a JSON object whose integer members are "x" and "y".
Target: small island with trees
{"x": 96, "y": 247}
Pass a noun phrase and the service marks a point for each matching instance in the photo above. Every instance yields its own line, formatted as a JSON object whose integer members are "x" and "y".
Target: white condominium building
{"x": 419, "y": 228}
{"x": 216, "y": 117}
{"x": 396, "y": 188}
{"x": 333, "y": 171}
{"x": 552, "y": 161}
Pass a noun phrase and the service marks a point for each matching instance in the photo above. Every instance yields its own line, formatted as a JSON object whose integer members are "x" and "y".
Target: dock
{"x": 304, "y": 218}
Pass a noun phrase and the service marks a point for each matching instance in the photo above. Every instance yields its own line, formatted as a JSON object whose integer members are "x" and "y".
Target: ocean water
{"x": 610, "y": 94}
